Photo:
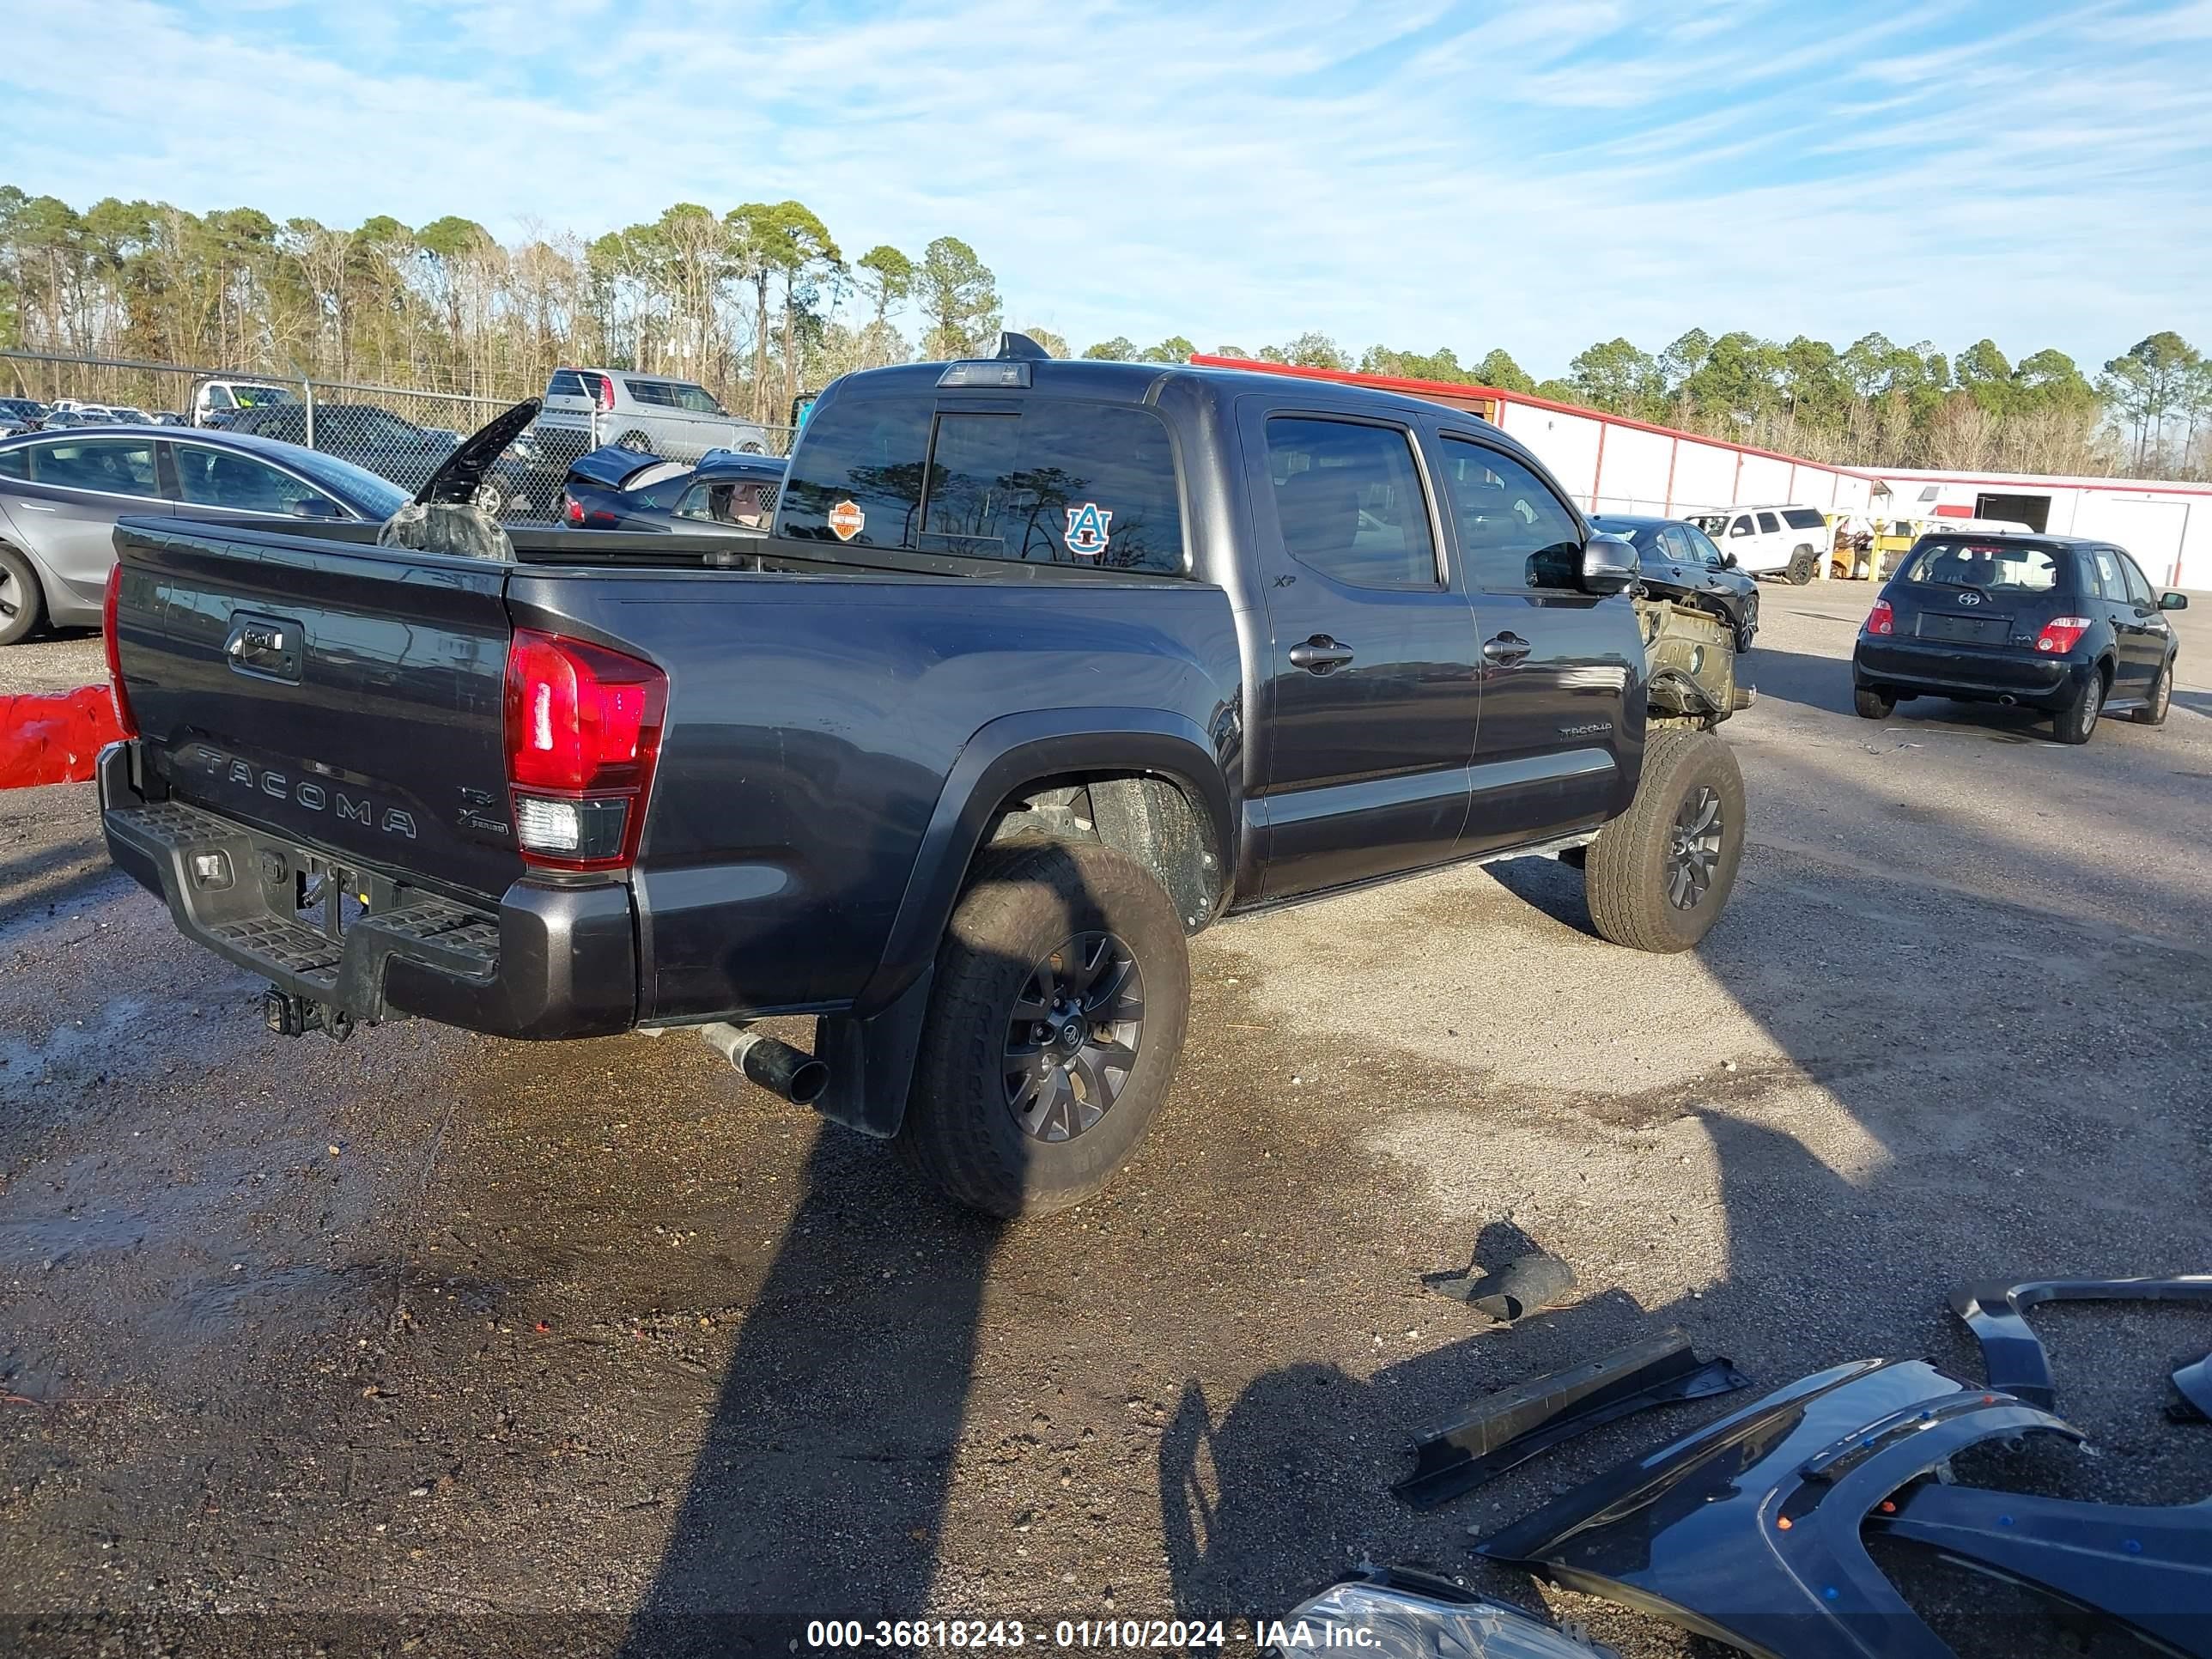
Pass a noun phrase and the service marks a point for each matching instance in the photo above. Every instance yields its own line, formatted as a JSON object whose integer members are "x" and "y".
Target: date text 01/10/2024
{"x": 903, "y": 1635}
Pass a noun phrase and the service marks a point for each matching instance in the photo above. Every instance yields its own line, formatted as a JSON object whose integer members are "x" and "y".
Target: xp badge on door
{"x": 1086, "y": 529}
{"x": 847, "y": 520}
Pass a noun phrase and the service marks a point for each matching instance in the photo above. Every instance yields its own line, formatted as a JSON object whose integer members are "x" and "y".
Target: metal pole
{"x": 307, "y": 386}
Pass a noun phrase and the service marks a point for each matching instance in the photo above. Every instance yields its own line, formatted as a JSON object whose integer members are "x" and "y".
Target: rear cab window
{"x": 1991, "y": 566}
{"x": 1348, "y": 498}
{"x": 1056, "y": 481}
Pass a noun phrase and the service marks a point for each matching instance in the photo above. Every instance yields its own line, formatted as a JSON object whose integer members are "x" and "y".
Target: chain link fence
{"x": 400, "y": 433}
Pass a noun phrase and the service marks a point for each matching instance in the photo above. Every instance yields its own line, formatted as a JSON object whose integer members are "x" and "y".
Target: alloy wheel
{"x": 11, "y": 595}
{"x": 1694, "y": 849}
{"x": 1072, "y": 1038}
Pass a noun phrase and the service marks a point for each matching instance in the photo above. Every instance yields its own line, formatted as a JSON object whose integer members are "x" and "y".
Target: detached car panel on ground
{"x": 2069, "y": 627}
{"x": 1045, "y": 665}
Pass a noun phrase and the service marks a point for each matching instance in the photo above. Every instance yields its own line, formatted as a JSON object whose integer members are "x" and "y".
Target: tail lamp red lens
{"x": 583, "y": 731}
{"x": 124, "y": 718}
{"x": 2061, "y": 634}
{"x": 1881, "y": 619}
{"x": 603, "y": 392}
{"x": 572, "y": 509}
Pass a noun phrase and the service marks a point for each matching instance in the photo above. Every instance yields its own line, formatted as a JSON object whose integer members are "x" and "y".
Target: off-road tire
{"x": 1801, "y": 566}
{"x": 1626, "y": 879}
{"x": 18, "y": 584}
{"x": 2078, "y": 719}
{"x": 636, "y": 443}
{"x": 1872, "y": 705}
{"x": 1023, "y": 901}
{"x": 2153, "y": 712}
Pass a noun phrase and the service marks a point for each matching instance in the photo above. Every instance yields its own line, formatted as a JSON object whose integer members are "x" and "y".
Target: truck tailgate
{"x": 347, "y": 696}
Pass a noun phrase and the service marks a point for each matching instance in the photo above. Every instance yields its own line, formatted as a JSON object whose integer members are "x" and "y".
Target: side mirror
{"x": 1609, "y": 564}
{"x": 2173, "y": 601}
{"x": 1728, "y": 560}
{"x": 317, "y": 506}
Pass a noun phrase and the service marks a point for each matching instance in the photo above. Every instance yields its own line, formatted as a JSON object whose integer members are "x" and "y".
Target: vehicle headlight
{"x": 1411, "y": 1616}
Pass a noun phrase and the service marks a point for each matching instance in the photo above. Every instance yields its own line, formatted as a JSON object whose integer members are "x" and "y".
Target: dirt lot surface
{"x": 433, "y": 1340}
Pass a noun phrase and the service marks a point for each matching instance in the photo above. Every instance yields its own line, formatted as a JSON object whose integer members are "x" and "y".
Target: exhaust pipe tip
{"x": 791, "y": 1073}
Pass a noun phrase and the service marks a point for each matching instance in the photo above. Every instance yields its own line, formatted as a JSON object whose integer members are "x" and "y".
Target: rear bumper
{"x": 550, "y": 962}
{"x": 1907, "y": 665}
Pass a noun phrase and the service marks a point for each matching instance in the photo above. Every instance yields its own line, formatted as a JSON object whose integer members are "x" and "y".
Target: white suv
{"x": 1769, "y": 541}
{"x": 678, "y": 420}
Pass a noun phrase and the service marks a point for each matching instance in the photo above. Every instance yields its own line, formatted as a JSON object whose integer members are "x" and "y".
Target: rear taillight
{"x": 583, "y": 731}
{"x": 1881, "y": 619}
{"x": 604, "y": 393}
{"x": 572, "y": 509}
{"x": 124, "y": 718}
{"x": 2062, "y": 634}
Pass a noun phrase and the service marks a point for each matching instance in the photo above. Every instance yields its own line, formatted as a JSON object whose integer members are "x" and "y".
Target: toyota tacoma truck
{"x": 1041, "y": 668}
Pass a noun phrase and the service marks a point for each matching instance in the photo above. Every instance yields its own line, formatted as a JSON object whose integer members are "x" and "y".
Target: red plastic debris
{"x": 54, "y": 738}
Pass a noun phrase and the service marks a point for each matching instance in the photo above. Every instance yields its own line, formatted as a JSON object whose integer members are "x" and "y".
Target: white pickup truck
{"x": 1769, "y": 541}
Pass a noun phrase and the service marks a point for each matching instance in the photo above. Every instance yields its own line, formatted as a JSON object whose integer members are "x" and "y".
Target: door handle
{"x": 1506, "y": 648}
{"x": 1319, "y": 655}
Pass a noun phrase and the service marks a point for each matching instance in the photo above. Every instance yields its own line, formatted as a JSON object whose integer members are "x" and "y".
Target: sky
{"x": 1536, "y": 176}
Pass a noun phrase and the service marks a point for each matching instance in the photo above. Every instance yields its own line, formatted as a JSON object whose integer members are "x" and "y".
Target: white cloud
{"x": 1526, "y": 175}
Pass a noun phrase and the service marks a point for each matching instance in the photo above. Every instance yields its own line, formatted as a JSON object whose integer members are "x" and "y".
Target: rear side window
{"x": 1058, "y": 484}
{"x": 1769, "y": 525}
{"x": 1349, "y": 499}
{"x": 1986, "y": 565}
{"x": 1802, "y": 518}
{"x": 115, "y": 467}
{"x": 15, "y": 463}
{"x": 657, "y": 394}
{"x": 2109, "y": 583}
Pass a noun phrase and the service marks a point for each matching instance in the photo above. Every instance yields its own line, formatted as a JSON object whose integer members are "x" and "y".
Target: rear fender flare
{"x": 1020, "y": 748}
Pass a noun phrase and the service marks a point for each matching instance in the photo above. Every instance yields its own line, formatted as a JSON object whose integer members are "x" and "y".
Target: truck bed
{"x": 341, "y": 705}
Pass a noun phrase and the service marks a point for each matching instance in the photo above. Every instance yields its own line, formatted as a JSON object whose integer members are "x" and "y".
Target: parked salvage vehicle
{"x": 1788, "y": 540}
{"x": 2053, "y": 623}
{"x": 1677, "y": 560}
{"x": 1046, "y": 666}
{"x": 649, "y": 413}
{"x": 373, "y": 437}
{"x": 63, "y": 489}
{"x": 613, "y": 488}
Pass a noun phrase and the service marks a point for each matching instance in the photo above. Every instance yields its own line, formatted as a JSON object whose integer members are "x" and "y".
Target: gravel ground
{"x": 433, "y": 1340}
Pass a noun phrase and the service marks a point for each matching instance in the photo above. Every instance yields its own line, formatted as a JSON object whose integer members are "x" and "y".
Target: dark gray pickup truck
{"x": 1044, "y": 667}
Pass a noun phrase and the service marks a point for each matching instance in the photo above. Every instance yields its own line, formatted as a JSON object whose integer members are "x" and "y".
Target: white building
{"x": 2167, "y": 526}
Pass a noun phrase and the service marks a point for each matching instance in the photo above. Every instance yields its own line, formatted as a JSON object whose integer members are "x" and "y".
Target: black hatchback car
{"x": 2054, "y": 622}
{"x": 1678, "y": 561}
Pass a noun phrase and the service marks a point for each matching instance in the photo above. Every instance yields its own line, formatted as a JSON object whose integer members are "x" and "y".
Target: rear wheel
{"x": 1748, "y": 629}
{"x": 2153, "y": 712}
{"x": 635, "y": 441}
{"x": 1800, "y": 566}
{"x": 1871, "y": 704}
{"x": 1658, "y": 877}
{"x": 1056, "y": 1020}
{"x": 2075, "y": 722}
{"x": 22, "y": 602}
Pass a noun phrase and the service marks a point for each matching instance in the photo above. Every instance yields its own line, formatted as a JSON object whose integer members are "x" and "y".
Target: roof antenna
{"x": 1020, "y": 347}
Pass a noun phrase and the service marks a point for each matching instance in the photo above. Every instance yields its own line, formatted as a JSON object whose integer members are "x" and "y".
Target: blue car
{"x": 613, "y": 488}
